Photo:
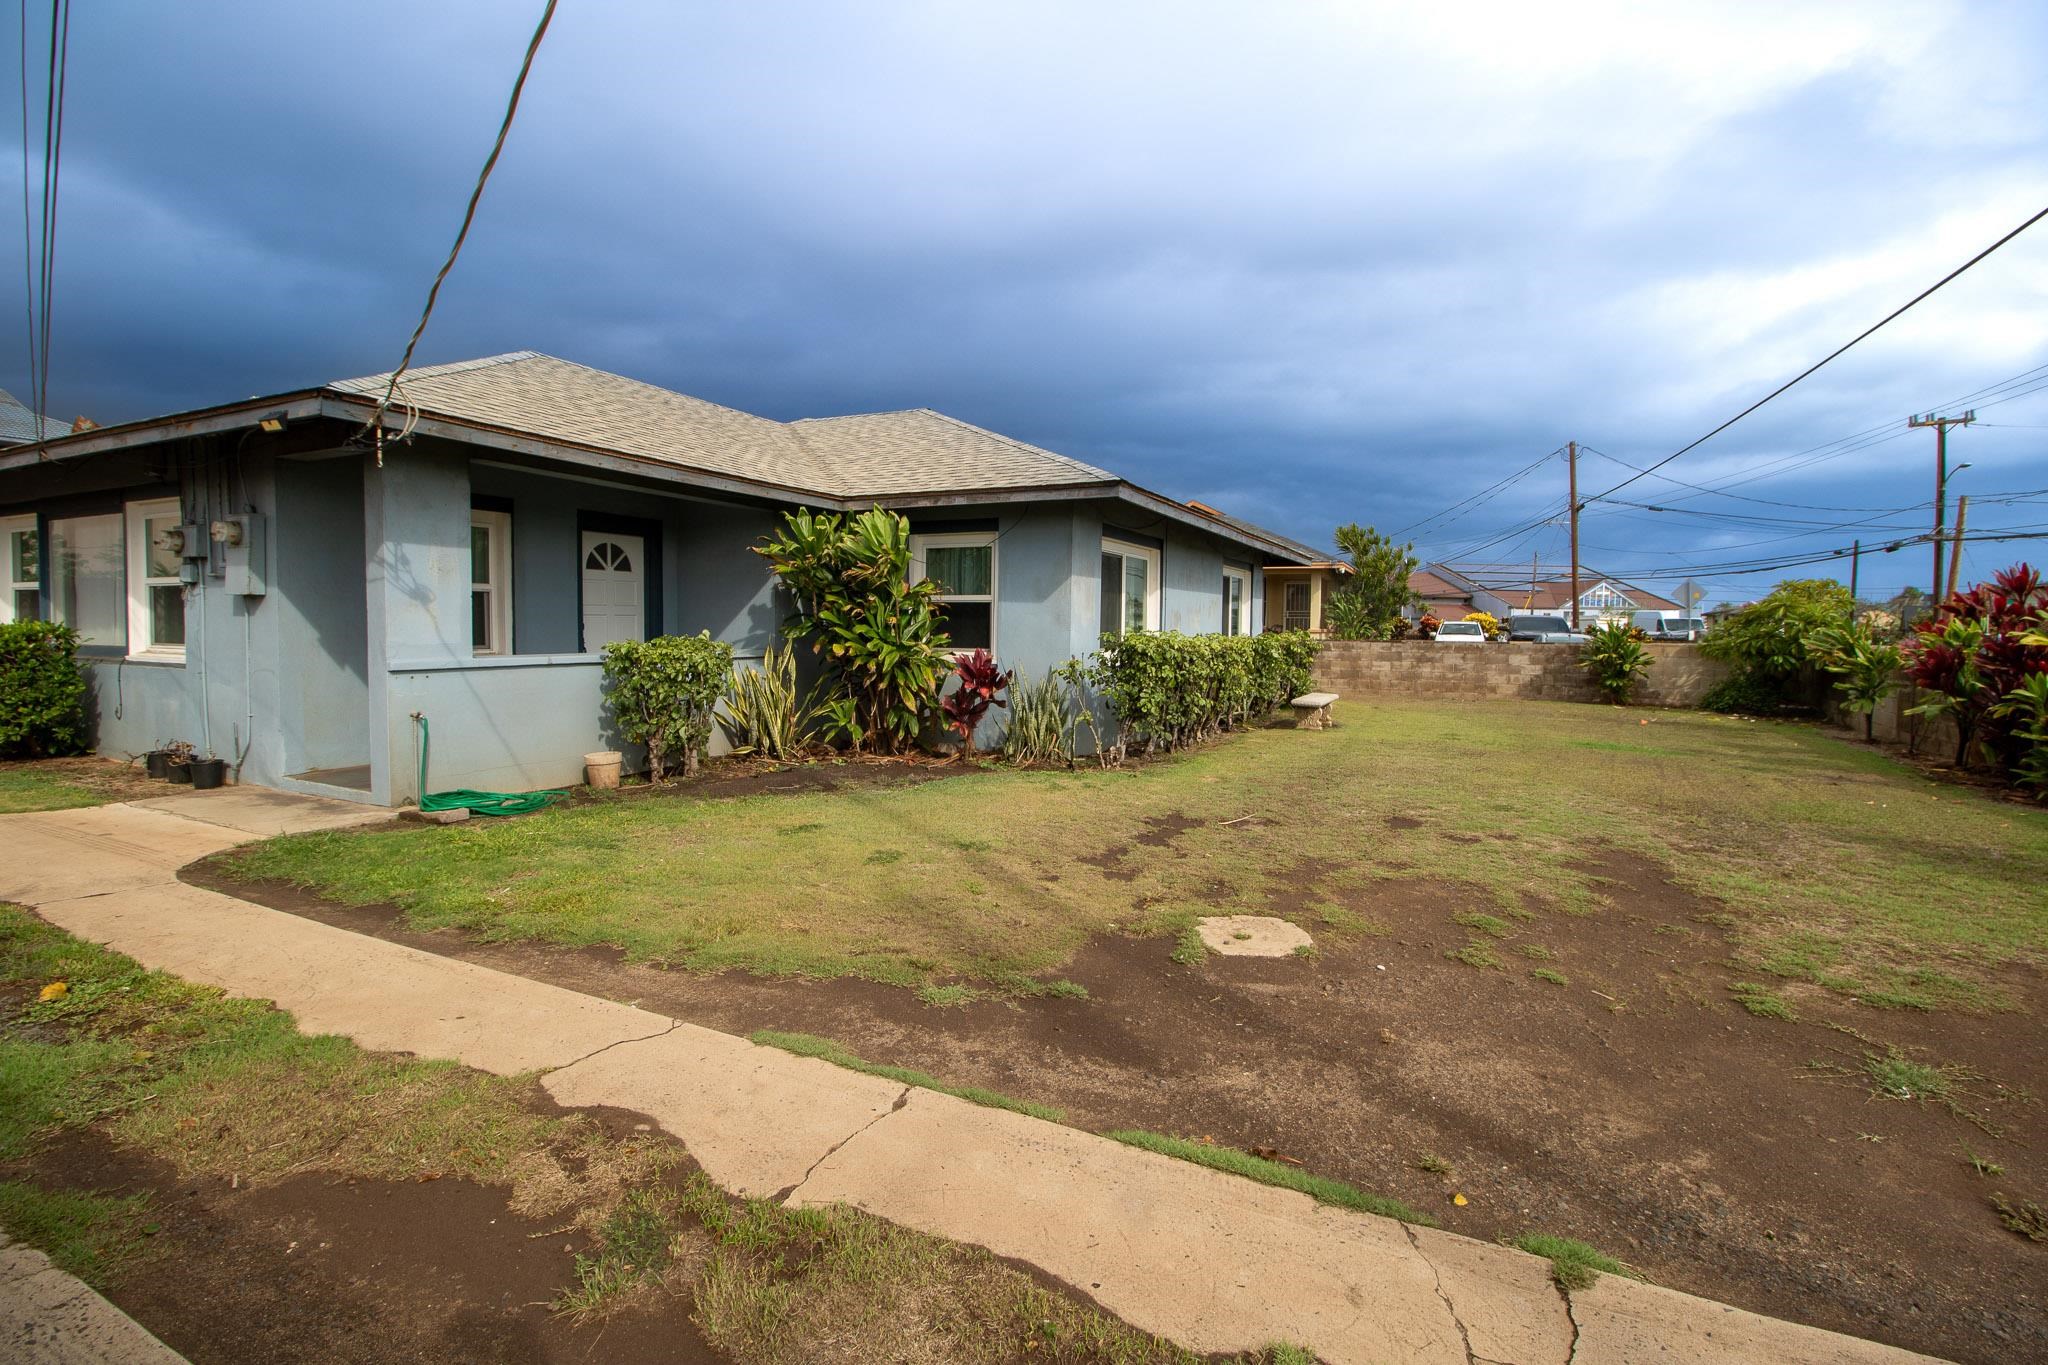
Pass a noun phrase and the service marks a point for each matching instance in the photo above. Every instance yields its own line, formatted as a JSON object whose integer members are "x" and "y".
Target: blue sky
{"x": 1312, "y": 263}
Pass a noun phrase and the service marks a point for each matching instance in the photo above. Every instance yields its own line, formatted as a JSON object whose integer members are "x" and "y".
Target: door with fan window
{"x": 614, "y": 589}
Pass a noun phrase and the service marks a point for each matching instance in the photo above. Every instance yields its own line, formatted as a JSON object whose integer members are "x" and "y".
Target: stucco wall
{"x": 1680, "y": 676}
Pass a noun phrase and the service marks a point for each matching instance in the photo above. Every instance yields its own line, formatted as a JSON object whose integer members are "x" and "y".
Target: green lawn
{"x": 1837, "y": 865}
{"x": 64, "y": 783}
{"x": 26, "y": 788}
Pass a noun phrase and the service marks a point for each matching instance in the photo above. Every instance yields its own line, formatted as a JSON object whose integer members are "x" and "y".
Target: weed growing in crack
{"x": 1573, "y": 1264}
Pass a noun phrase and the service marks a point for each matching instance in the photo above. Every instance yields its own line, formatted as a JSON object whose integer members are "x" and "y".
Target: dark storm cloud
{"x": 1313, "y": 262}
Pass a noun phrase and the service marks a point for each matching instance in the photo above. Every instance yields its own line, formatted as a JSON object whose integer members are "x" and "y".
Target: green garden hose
{"x": 482, "y": 803}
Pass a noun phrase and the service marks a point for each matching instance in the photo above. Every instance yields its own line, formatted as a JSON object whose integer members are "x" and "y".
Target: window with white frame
{"x": 21, "y": 570}
{"x": 156, "y": 599}
{"x": 1130, "y": 587}
{"x": 1236, "y": 602}
{"x": 490, "y": 582}
{"x": 86, "y": 591}
{"x": 1604, "y": 598}
{"x": 963, "y": 565}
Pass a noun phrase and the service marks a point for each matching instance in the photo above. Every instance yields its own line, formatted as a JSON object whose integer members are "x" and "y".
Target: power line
{"x": 1832, "y": 355}
{"x": 540, "y": 31}
{"x": 1477, "y": 498}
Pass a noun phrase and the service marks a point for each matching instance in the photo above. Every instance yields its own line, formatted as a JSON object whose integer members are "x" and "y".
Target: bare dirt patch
{"x": 1631, "y": 1102}
{"x": 321, "y": 1268}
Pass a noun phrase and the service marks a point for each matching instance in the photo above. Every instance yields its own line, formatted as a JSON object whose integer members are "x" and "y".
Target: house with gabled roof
{"x": 265, "y": 580}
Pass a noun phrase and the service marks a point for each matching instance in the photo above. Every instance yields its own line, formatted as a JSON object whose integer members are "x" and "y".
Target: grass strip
{"x": 1322, "y": 1189}
{"x": 825, "y": 1050}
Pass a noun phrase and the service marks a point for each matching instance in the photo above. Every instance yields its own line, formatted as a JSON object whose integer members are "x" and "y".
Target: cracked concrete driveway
{"x": 1210, "y": 1260}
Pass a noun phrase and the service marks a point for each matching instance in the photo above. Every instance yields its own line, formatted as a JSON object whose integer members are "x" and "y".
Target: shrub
{"x": 1615, "y": 656}
{"x": 765, "y": 712}
{"x": 881, "y": 635}
{"x": 1167, "y": 690}
{"x": 1429, "y": 623}
{"x": 663, "y": 691}
{"x": 1744, "y": 694}
{"x": 979, "y": 682}
{"x": 1041, "y": 724}
{"x": 1866, "y": 668}
{"x": 1973, "y": 653}
{"x": 1488, "y": 622}
{"x": 1767, "y": 642}
{"x": 42, "y": 690}
{"x": 2026, "y": 706}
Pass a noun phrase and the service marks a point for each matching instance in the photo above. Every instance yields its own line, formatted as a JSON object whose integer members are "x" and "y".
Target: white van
{"x": 1668, "y": 625}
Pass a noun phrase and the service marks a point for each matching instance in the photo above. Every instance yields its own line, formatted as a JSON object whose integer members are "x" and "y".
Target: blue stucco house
{"x": 249, "y": 578}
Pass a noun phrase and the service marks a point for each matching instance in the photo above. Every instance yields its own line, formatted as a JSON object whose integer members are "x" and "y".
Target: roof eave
{"x": 298, "y": 405}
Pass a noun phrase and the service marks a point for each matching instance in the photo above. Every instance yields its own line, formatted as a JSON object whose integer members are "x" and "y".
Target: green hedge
{"x": 1167, "y": 690}
{"x": 42, "y": 691}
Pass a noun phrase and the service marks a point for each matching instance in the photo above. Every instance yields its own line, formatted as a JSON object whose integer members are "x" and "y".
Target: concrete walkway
{"x": 50, "y": 1318}
{"x": 1213, "y": 1261}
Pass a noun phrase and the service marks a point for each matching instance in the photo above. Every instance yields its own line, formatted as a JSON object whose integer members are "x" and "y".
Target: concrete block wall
{"x": 1423, "y": 669}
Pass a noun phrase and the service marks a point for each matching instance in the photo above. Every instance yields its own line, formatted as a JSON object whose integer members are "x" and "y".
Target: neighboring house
{"x": 1600, "y": 599}
{"x": 249, "y": 579}
{"x": 1451, "y": 595}
{"x": 19, "y": 423}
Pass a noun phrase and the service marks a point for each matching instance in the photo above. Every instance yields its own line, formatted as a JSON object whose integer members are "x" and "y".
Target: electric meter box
{"x": 241, "y": 539}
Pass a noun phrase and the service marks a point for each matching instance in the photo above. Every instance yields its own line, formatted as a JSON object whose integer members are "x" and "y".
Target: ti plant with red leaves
{"x": 1978, "y": 650}
{"x": 980, "y": 680}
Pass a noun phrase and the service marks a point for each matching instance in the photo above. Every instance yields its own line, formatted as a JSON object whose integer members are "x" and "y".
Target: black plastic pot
{"x": 155, "y": 761}
{"x": 179, "y": 772}
{"x": 208, "y": 773}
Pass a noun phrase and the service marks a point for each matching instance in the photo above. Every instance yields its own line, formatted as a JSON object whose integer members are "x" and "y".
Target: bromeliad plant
{"x": 1866, "y": 668}
{"x": 1977, "y": 649}
{"x": 1617, "y": 658}
{"x": 880, "y": 634}
{"x": 979, "y": 683}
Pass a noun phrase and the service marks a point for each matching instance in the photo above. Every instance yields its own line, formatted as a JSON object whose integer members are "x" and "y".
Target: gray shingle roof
{"x": 18, "y": 422}
{"x": 543, "y": 396}
{"x": 885, "y": 454}
{"x": 866, "y": 455}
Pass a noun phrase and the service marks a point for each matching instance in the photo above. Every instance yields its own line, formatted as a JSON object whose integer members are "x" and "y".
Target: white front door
{"x": 614, "y": 589}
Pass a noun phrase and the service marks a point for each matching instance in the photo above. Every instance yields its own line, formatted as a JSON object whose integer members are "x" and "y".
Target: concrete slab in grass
{"x": 261, "y": 812}
{"x": 1252, "y": 936}
{"x": 54, "y": 855}
{"x": 1213, "y": 1261}
{"x": 757, "y": 1119}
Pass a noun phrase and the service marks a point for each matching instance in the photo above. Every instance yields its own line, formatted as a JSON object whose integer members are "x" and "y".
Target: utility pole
{"x": 1941, "y": 426}
{"x": 1955, "y": 545}
{"x": 1855, "y": 572}
{"x": 1572, "y": 496}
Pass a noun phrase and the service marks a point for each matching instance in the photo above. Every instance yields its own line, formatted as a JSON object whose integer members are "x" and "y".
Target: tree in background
{"x": 1768, "y": 643}
{"x": 1372, "y": 599}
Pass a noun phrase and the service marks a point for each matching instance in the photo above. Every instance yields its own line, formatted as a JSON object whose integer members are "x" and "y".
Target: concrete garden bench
{"x": 1312, "y": 710}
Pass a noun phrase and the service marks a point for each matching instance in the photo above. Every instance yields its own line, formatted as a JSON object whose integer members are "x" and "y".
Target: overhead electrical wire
{"x": 1903, "y": 308}
{"x": 391, "y": 388}
{"x": 39, "y": 236}
{"x": 1481, "y": 496}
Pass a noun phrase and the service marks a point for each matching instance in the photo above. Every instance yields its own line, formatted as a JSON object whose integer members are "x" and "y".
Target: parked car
{"x": 1668, "y": 625}
{"x": 1461, "y": 633}
{"x": 1544, "y": 630}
